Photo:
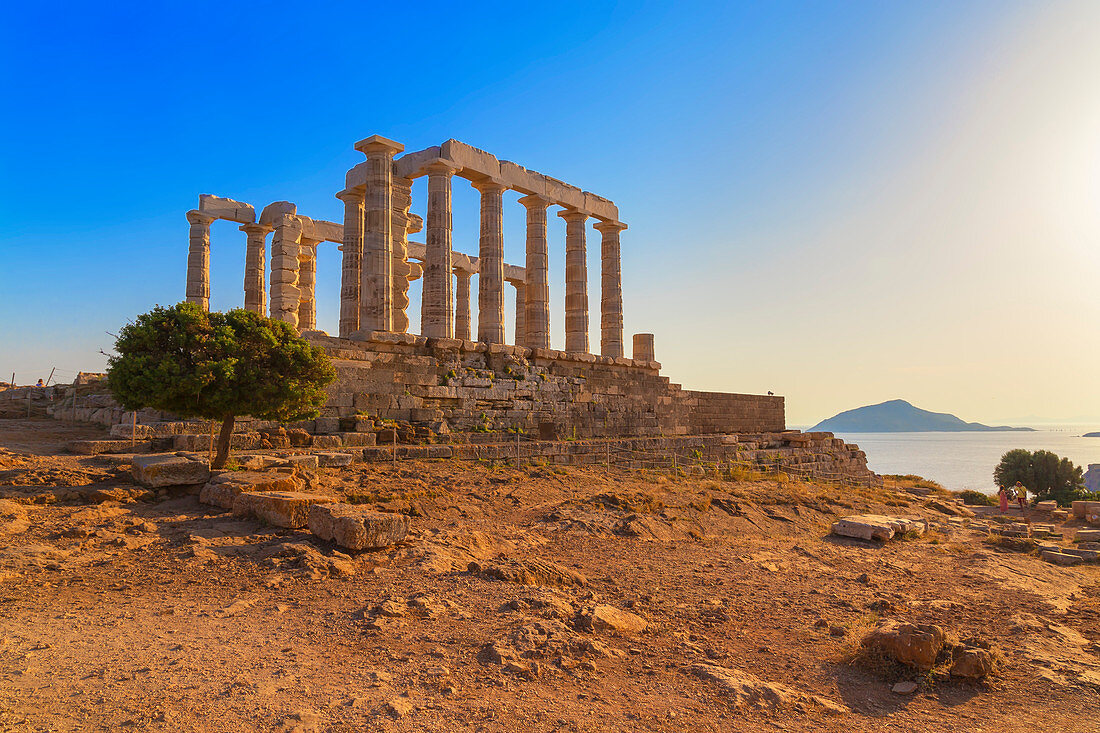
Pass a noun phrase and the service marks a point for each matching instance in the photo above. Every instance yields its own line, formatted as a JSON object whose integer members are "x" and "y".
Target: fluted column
{"x": 643, "y": 347}
{"x": 611, "y": 289}
{"x": 307, "y": 284}
{"x": 576, "y": 281}
{"x": 352, "y": 251}
{"x": 255, "y": 267}
{"x": 402, "y": 201}
{"x": 198, "y": 259}
{"x": 462, "y": 304}
{"x": 521, "y": 301}
{"x": 490, "y": 271}
{"x": 537, "y": 306}
{"x": 285, "y": 294}
{"x": 376, "y": 275}
{"x": 437, "y": 310}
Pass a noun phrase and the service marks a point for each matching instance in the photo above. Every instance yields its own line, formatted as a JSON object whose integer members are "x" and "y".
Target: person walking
{"x": 1002, "y": 494}
{"x": 1021, "y": 496}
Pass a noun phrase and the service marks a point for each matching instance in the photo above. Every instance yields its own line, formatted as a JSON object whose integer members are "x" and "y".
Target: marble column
{"x": 611, "y": 289}
{"x": 255, "y": 268}
{"x": 490, "y": 271}
{"x": 285, "y": 293}
{"x": 521, "y": 304}
{"x": 307, "y": 284}
{"x": 462, "y": 304}
{"x": 537, "y": 306}
{"x": 576, "y": 281}
{"x": 643, "y": 347}
{"x": 352, "y": 251}
{"x": 437, "y": 311}
{"x": 402, "y": 202}
{"x": 198, "y": 259}
{"x": 376, "y": 274}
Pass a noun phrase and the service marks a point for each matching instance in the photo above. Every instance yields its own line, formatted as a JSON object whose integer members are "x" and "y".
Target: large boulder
{"x": 355, "y": 527}
{"x": 876, "y": 527}
{"x": 915, "y": 645}
{"x": 222, "y": 490}
{"x": 288, "y": 509}
{"x": 169, "y": 469}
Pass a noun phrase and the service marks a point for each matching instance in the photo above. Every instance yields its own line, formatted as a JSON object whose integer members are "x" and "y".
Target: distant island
{"x": 898, "y": 416}
{"x": 1091, "y": 435}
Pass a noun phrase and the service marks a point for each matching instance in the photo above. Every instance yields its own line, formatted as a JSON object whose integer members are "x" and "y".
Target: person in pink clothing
{"x": 1003, "y": 496}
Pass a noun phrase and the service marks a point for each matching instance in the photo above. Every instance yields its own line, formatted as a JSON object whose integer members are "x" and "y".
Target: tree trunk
{"x": 223, "y": 442}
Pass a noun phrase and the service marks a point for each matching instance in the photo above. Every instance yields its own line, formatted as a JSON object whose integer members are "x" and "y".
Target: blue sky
{"x": 762, "y": 155}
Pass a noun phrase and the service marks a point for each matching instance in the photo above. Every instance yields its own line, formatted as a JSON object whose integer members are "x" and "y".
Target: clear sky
{"x": 841, "y": 202}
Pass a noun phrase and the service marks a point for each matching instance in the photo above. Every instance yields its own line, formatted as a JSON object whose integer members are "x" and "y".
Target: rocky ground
{"x": 533, "y": 599}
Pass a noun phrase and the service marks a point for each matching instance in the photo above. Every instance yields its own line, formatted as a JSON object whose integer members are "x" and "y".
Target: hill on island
{"x": 899, "y": 416}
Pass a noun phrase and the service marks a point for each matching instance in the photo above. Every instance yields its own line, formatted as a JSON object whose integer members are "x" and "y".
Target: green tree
{"x": 1043, "y": 473}
{"x": 218, "y": 366}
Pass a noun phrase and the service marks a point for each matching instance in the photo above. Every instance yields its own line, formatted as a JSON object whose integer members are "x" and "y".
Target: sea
{"x": 966, "y": 460}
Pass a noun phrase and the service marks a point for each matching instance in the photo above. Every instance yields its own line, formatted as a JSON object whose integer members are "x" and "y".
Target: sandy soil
{"x": 171, "y": 615}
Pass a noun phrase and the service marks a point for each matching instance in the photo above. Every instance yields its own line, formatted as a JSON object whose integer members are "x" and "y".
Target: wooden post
{"x": 211, "y": 441}
{"x": 133, "y": 428}
{"x": 395, "y": 446}
{"x": 51, "y": 376}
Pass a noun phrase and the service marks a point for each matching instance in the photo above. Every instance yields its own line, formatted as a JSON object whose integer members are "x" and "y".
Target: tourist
{"x": 1021, "y": 496}
{"x": 1002, "y": 494}
{"x": 40, "y": 383}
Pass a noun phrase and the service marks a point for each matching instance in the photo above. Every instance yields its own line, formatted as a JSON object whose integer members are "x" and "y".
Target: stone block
{"x": 95, "y": 447}
{"x": 358, "y": 439}
{"x": 327, "y": 441}
{"x": 1087, "y": 535}
{"x": 222, "y": 490}
{"x": 169, "y": 469}
{"x": 328, "y": 425}
{"x": 876, "y": 527}
{"x": 1060, "y": 558}
{"x": 356, "y": 527}
{"x": 279, "y": 508}
{"x": 224, "y": 208}
{"x": 333, "y": 460}
{"x": 304, "y": 461}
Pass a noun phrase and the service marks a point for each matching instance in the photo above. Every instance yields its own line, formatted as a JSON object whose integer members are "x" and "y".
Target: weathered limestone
{"x": 462, "y": 304}
{"x": 402, "y": 269}
{"x": 877, "y": 527}
{"x": 198, "y": 259}
{"x": 537, "y": 293}
{"x": 285, "y": 246}
{"x": 915, "y": 645}
{"x": 156, "y": 470}
{"x": 643, "y": 347}
{"x": 376, "y": 275}
{"x": 222, "y": 490}
{"x": 356, "y": 527}
{"x": 255, "y": 267}
{"x": 490, "y": 275}
{"x": 228, "y": 209}
{"x": 611, "y": 290}
{"x": 352, "y": 250}
{"x": 288, "y": 509}
{"x": 307, "y": 284}
{"x": 521, "y": 304}
{"x": 437, "y": 311}
{"x": 576, "y": 281}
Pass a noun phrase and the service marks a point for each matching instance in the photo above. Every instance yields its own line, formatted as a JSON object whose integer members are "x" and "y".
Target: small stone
{"x": 905, "y": 688}
{"x": 975, "y": 663}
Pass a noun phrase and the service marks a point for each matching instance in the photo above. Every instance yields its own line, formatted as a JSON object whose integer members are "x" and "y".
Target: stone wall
{"x": 474, "y": 386}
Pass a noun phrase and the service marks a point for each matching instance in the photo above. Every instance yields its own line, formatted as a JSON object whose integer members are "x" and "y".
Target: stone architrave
{"x": 576, "y": 281}
{"x": 490, "y": 272}
{"x": 537, "y": 305}
{"x": 255, "y": 266}
{"x": 376, "y": 275}
{"x": 521, "y": 302}
{"x": 402, "y": 270}
{"x": 352, "y": 251}
{"x": 611, "y": 289}
{"x": 462, "y": 304}
{"x": 437, "y": 305}
{"x": 198, "y": 259}
{"x": 643, "y": 347}
{"x": 285, "y": 245}
{"x": 307, "y": 284}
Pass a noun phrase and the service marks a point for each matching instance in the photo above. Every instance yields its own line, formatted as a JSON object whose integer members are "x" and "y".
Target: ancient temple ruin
{"x": 446, "y": 375}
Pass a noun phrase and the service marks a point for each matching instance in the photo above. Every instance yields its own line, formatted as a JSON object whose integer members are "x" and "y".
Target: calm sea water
{"x": 966, "y": 460}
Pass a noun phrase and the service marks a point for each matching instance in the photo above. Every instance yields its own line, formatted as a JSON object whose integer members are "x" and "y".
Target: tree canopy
{"x": 1043, "y": 473}
{"x": 218, "y": 366}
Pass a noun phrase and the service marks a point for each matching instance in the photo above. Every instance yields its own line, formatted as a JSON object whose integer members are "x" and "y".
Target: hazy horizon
{"x": 843, "y": 203}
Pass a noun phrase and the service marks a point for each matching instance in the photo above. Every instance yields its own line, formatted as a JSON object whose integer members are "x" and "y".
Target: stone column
{"x": 576, "y": 281}
{"x": 437, "y": 310}
{"x": 376, "y": 275}
{"x": 285, "y": 294}
{"x": 537, "y": 306}
{"x": 352, "y": 250}
{"x": 521, "y": 304}
{"x": 462, "y": 304}
{"x": 611, "y": 289}
{"x": 490, "y": 271}
{"x": 307, "y": 284}
{"x": 643, "y": 347}
{"x": 198, "y": 259}
{"x": 402, "y": 201}
{"x": 255, "y": 268}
